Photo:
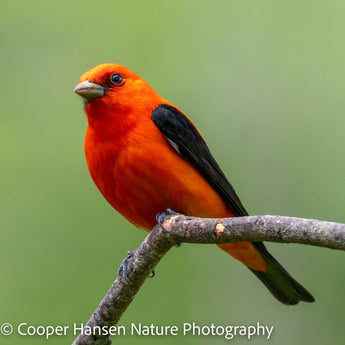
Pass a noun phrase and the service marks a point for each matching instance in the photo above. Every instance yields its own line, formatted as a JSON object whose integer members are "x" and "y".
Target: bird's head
{"x": 115, "y": 88}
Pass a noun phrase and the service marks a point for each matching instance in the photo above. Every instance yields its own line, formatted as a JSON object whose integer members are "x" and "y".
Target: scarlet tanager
{"x": 145, "y": 156}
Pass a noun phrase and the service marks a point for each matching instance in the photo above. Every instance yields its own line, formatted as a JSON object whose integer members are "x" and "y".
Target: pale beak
{"x": 89, "y": 90}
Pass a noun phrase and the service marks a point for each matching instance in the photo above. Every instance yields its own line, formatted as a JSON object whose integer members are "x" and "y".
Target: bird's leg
{"x": 123, "y": 267}
{"x": 160, "y": 218}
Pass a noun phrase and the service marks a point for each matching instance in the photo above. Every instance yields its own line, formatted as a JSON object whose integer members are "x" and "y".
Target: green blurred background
{"x": 264, "y": 82}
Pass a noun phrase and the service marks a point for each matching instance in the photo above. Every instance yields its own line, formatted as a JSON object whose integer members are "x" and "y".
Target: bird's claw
{"x": 160, "y": 216}
{"x": 123, "y": 267}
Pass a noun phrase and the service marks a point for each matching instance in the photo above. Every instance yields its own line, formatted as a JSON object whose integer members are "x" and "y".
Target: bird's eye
{"x": 116, "y": 78}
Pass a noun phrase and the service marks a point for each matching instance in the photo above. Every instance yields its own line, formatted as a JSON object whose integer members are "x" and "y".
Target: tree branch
{"x": 178, "y": 229}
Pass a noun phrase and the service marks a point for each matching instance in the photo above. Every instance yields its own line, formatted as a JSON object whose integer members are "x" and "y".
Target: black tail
{"x": 282, "y": 286}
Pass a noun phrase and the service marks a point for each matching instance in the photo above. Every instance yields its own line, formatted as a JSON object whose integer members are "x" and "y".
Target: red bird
{"x": 145, "y": 156}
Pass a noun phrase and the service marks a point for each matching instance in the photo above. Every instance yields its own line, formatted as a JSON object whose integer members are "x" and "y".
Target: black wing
{"x": 186, "y": 140}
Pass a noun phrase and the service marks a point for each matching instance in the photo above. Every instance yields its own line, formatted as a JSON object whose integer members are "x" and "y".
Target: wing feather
{"x": 183, "y": 136}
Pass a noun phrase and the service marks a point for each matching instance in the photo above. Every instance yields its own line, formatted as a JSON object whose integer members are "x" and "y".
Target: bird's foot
{"x": 123, "y": 267}
{"x": 160, "y": 216}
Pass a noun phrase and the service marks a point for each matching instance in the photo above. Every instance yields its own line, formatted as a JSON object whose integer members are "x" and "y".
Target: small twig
{"x": 176, "y": 229}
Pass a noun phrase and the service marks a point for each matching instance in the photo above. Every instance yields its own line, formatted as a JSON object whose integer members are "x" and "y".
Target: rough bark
{"x": 175, "y": 229}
